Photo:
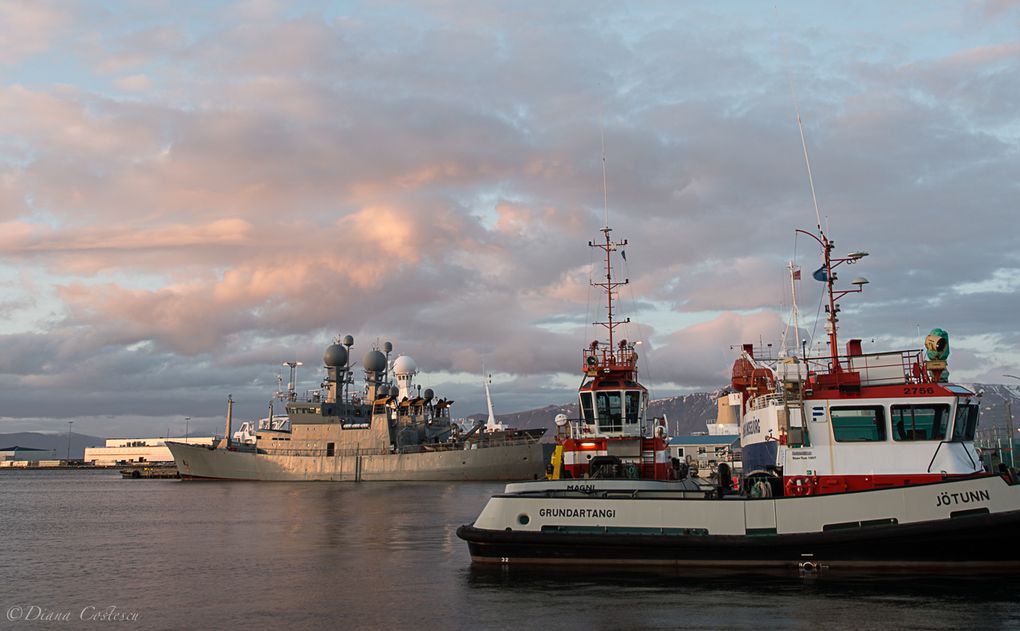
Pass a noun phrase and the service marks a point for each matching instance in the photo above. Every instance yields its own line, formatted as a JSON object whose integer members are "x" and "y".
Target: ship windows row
{"x": 612, "y": 408}
{"x": 906, "y": 423}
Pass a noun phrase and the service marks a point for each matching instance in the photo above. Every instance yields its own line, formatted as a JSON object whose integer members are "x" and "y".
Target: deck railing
{"x": 765, "y": 401}
{"x": 891, "y": 368}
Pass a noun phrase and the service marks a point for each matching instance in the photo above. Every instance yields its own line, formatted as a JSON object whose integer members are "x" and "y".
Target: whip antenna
{"x": 605, "y": 186}
{"x": 800, "y": 127}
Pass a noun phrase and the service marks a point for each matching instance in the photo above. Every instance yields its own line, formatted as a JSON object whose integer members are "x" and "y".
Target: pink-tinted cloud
{"x": 702, "y": 355}
{"x": 28, "y": 28}
{"x": 209, "y": 188}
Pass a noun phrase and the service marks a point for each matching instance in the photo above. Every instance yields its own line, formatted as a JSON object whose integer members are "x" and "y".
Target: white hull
{"x": 511, "y": 462}
{"x": 946, "y": 524}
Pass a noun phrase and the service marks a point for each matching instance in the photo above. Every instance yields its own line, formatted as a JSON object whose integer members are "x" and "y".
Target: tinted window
{"x": 586, "y": 409}
{"x": 633, "y": 407}
{"x": 966, "y": 422}
{"x": 920, "y": 422}
{"x": 610, "y": 410}
{"x": 858, "y": 424}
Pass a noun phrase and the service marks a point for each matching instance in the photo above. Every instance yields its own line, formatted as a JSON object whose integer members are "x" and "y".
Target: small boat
{"x": 150, "y": 471}
{"x": 855, "y": 460}
{"x": 612, "y": 438}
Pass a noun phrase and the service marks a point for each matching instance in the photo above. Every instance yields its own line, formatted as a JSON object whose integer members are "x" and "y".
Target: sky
{"x": 192, "y": 193}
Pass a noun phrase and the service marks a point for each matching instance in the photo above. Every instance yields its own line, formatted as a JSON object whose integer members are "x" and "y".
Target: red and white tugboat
{"x": 610, "y": 439}
{"x": 855, "y": 461}
{"x": 852, "y": 422}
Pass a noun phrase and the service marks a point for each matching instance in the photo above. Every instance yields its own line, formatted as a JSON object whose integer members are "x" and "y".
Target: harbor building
{"x": 26, "y": 457}
{"x": 124, "y": 450}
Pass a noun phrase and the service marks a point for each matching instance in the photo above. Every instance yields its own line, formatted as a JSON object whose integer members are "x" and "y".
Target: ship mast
{"x": 827, "y": 246}
{"x": 825, "y": 273}
{"x": 609, "y": 286}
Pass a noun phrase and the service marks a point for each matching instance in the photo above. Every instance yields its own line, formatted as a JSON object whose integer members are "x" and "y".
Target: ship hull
{"x": 910, "y": 528}
{"x": 509, "y": 462}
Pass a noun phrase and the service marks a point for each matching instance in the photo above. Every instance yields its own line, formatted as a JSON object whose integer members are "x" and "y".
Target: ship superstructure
{"x": 853, "y": 420}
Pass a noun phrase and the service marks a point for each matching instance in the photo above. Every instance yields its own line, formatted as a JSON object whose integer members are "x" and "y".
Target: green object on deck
{"x": 937, "y": 344}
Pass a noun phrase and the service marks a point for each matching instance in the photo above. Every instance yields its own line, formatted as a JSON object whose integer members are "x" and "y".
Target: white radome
{"x": 405, "y": 365}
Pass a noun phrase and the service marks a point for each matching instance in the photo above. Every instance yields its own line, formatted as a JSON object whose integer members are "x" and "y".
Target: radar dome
{"x": 394, "y": 391}
{"x": 374, "y": 361}
{"x": 405, "y": 365}
{"x": 335, "y": 356}
{"x": 428, "y": 394}
{"x": 348, "y": 340}
{"x": 387, "y": 347}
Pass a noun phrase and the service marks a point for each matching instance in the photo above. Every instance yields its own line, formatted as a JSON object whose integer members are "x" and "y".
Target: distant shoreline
{"x": 63, "y": 468}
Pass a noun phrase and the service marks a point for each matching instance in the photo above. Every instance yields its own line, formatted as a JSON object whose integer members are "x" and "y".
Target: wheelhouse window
{"x": 858, "y": 424}
{"x": 634, "y": 407}
{"x": 587, "y": 412}
{"x": 920, "y": 422}
{"x": 966, "y": 422}
{"x": 610, "y": 410}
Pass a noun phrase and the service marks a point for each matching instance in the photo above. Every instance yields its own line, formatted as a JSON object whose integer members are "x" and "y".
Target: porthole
{"x": 523, "y": 519}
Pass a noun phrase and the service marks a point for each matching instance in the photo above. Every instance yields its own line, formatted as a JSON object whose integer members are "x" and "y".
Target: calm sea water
{"x": 165, "y": 554}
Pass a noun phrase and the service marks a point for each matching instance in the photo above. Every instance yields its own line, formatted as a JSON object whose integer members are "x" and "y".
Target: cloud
{"x": 133, "y": 83}
{"x": 186, "y": 205}
{"x": 28, "y": 29}
{"x": 701, "y": 356}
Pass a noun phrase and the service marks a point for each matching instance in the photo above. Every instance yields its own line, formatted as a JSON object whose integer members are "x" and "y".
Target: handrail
{"x": 886, "y": 367}
{"x": 764, "y": 400}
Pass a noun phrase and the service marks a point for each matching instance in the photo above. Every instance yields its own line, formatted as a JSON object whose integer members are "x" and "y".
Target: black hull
{"x": 985, "y": 542}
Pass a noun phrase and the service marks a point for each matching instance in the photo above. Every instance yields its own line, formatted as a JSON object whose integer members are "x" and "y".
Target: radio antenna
{"x": 800, "y": 127}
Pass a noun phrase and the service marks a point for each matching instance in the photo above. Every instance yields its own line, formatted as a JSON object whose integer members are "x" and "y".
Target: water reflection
{"x": 384, "y": 555}
{"x": 663, "y": 598}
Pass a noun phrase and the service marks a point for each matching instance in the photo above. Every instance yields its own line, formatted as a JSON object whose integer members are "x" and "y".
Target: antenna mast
{"x": 609, "y": 286}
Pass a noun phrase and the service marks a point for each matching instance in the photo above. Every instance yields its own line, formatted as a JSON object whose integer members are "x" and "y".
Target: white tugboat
{"x": 390, "y": 430}
{"x": 853, "y": 422}
{"x": 853, "y": 461}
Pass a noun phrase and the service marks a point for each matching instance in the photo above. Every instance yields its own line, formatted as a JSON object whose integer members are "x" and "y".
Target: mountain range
{"x": 58, "y": 443}
{"x": 689, "y": 413}
{"x": 684, "y": 414}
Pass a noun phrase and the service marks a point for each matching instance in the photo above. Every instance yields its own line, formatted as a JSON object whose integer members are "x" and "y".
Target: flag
{"x": 820, "y": 274}
{"x": 623, "y": 253}
{"x": 796, "y": 274}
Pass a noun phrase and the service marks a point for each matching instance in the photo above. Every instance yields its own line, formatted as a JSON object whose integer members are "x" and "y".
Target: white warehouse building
{"x": 123, "y": 450}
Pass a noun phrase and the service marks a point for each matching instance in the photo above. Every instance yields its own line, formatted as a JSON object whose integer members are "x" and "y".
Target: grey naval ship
{"x": 389, "y": 430}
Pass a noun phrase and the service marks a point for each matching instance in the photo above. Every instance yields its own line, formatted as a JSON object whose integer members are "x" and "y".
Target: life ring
{"x": 798, "y": 486}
